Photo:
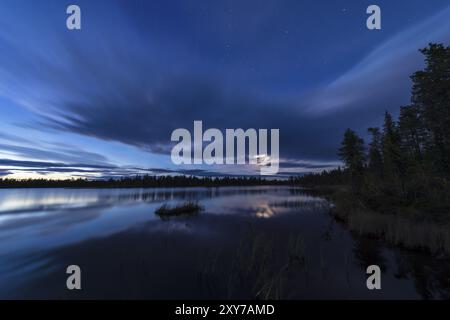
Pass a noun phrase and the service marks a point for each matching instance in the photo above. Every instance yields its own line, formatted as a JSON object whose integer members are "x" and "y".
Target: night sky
{"x": 102, "y": 101}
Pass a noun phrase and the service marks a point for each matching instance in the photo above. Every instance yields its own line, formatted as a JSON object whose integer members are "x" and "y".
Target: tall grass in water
{"x": 259, "y": 267}
{"x": 400, "y": 230}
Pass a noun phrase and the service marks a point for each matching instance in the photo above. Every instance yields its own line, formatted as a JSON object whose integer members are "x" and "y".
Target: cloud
{"x": 95, "y": 171}
{"x": 4, "y": 172}
{"x": 382, "y": 77}
{"x": 39, "y": 164}
{"x": 64, "y": 154}
{"x": 290, "y": 164}
{"x": 137, "y": 93}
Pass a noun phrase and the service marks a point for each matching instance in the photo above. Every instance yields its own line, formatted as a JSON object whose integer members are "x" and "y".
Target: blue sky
{"x": 103, "y": 101}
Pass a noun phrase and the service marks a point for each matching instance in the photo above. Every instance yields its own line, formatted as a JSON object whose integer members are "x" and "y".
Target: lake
{"x": 274, "y": 242}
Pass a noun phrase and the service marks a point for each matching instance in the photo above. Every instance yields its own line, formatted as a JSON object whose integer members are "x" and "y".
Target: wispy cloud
{"x": 382, "y": 77}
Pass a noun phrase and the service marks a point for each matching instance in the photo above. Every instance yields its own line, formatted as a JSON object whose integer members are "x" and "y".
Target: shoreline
{"x": 153, "y": 187}
{"x": 395, "y": 229}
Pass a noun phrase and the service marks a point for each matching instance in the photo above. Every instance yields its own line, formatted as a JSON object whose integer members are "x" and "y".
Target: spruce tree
{"x": 375, "y": 153}
{"x": 352, "y": 154}
{"x": 431, "y": 95}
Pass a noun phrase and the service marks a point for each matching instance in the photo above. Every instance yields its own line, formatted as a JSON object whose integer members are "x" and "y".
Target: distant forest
{"x": 145, "y": 181}
{"x": 407, "y": 161}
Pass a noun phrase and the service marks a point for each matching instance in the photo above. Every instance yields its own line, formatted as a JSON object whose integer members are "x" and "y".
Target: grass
{"x": 257, "y": 266}
{"x": 189, "y": 208}
{"x": 401, "y": 231}
{"x": 400, "y": 228}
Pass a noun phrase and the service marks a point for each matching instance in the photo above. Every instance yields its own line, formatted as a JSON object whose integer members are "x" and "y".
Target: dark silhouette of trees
{"x": 145, "y": 181}
{"x": 412, "y": 133}
{"x": 335, "y": 177}
{"x": 353, "y": 155}
{"x": 431, "y": 98}
{"x": 375, "y": 153}
{"x": 393, "y": 166}
{"x": 408, "y": 161}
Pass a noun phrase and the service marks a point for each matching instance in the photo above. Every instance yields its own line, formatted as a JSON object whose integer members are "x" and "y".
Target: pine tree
{"x": 393, "y": 164}
{"x": 431, "y": 96}
{"x": 375, "y": 153}
{"x": 412, "y": 133}
{"x": 352, "y": 154}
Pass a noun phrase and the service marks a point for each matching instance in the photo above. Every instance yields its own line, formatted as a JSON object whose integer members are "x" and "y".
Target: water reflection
{"x": 249, "y": 242}
{"x": 24, "y": 200}
{"x": 264, "y": 211}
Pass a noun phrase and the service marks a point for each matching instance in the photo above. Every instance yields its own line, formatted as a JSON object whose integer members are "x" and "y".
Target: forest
{"x": 405, "y": 167}
{"x": 146, "y": 181}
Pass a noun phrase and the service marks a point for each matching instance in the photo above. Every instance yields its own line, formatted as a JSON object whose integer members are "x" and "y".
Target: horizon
{"x": 101, "y": 102}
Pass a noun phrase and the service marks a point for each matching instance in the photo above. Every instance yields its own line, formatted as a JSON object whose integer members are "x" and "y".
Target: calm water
{"x": 250, "y": 242}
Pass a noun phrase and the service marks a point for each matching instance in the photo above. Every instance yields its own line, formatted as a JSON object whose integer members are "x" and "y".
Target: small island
{"x": 188, "y": 208}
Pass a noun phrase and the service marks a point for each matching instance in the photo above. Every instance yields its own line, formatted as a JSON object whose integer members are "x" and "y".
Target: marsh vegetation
{"x": 188, "y": 208}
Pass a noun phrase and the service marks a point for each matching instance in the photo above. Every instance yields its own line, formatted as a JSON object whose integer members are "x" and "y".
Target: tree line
{"x": 146, "y": 181}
